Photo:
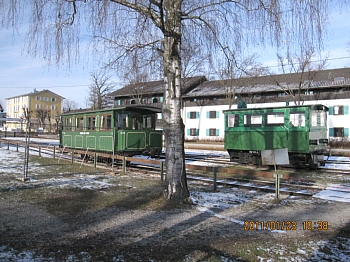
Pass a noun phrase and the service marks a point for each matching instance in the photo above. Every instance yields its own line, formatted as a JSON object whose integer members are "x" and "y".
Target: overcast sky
{"x": 20, "y": 73}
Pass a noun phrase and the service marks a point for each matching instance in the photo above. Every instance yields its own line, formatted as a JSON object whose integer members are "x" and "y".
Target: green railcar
{"x": 302, "y": 130}
{"x": 127, "y": 131}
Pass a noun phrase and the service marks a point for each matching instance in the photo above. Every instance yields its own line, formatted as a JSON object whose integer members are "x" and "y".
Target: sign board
{"x": 275, "y": 157}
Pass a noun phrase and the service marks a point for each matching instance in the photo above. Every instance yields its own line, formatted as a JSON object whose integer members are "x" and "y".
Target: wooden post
{"x": 72, "y": 154}
{"x": 8, "y": 145}
{"x": 214, "y": 177}
{"x": 17, "y": 147}
{"x": 277, "y": 185}
{"x": 161, "y": 170}
{"x": 124, "y": 166}
{"x": 95, "y": 160}
{"x": 40, "y": 151}
{"x": 54, "y": 152}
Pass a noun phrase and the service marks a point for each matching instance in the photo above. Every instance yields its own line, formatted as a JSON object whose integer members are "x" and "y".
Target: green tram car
{"x": 302, "y": 130}
{"x": 126, "y": 131}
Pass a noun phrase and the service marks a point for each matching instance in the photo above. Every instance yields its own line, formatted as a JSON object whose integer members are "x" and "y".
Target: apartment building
{"x": 36, "y": 104}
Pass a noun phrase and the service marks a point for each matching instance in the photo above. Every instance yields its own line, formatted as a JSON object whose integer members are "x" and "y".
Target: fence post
{"x": 95, "y": 160}
{"x": 17, "y": 147}
{"x": 124, "y": 166}
{"x": 54, "y": 152}
{"x": 277, "y": 185}
{"x": 72, "y": 155}
{"x": 161, "y": 170}
{"x": 8, "y": 145}
{"x": 214, "y": 177}
{"x": 40, "y": 151}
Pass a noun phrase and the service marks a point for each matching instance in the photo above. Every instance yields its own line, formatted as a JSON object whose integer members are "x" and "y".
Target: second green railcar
{"x": 127, "y": 131}
{"x": 302, "y": 130}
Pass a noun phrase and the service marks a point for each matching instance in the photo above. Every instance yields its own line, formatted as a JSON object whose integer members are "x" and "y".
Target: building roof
{"x": 35, "y": 92}
{"x": 156, "y": 87}
{"x": 268, "y": 83}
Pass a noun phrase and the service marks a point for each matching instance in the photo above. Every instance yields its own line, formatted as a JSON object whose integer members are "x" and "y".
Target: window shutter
{"x": 217, "y": 132}
{"x": 346, "y": 110}
{"x": 217, "y": 114}
{"x": 331, "y": 132}
{"x": 207, "y": 132}
{"x": 118, "y": 102}
{"x": 197, "y": 132}
{"x": 188, "y": 132}
{"x": 331, "y": 110}
{"x": 208, "y": 114}
{"x": 197, "y": 114}
{"x": 346, "y": 132}
{"x": 188, "y": 115}
{"x": 161, "y": 99}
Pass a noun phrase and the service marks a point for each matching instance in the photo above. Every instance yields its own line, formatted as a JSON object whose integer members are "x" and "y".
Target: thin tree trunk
{"x": 176, "y": 183}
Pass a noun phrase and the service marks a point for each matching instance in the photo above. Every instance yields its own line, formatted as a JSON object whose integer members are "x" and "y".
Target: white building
{"x": 204, "y": 101}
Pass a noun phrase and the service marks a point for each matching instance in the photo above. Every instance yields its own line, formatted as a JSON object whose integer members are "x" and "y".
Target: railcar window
{"x": 318, "y": 118}
{"x": 232, "y": 120}
{"x": 252, "y": 120}
{"x": 297, "y": 119}
{"x": 275, "y": 119}
{"x": 91, "y": 123}
{"x": 109, "y": 121}
{"x": 68, "y": 124}
{"x": 147, "y": 122}
{"x": 102, "y": 121}
{"x": 136, "y": 123}
{"x": 80, "y": 123}
{"x": 123, "y": 121}
{"x": 323, "y": 118}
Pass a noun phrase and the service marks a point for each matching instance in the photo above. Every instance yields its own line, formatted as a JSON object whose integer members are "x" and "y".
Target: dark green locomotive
{"x": 127, "y": 131}
{"x": 302, "y": 130}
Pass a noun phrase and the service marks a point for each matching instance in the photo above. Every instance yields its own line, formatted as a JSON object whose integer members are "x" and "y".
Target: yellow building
{"x": 36, "y": 103}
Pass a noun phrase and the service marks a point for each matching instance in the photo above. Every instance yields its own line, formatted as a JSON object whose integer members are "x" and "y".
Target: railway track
{"x": 266, "y": 186}
{"x": 301, "y": 188}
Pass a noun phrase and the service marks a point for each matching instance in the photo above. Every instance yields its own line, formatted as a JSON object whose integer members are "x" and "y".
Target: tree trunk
{"x": 176, "y": 183}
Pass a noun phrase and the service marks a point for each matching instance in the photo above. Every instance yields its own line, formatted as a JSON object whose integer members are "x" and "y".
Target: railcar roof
{"x": 142, "y": 108}
{"x": 277, "y": 107}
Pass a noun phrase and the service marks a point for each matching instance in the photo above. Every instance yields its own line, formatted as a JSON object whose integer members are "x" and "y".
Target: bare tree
{"x": 159, "y": 27}
{"x": 42, "y": 115}
{"x": 236, "y": 73}
{"x": 69, "y": 105}
{"x": 305, "y": 70}
{"x": 99, "y": 90}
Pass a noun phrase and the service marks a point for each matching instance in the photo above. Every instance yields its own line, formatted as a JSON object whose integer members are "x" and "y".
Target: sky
{"x": 20, "y": 73}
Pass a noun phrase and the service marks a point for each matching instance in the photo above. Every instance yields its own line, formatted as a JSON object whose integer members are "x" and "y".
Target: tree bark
{"x": 176, "y": 183}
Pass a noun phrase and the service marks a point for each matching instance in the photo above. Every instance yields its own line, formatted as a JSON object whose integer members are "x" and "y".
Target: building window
{"x": 53, "y": 99}
{"x": 38, "y": 98}
{"x": 212, "y": 132}
{"x": 308, "y": 93}
{"x": 338, "y": 110}
{"x": 193, "y": 115}
{"x": 37, "y": 106}
{"x": 339, "y": 131}
{"x": 212, "y": 114}
{"x": 53, "y": 107}
{"x": 45, "y": 99}
{"x": 193, "y": 131}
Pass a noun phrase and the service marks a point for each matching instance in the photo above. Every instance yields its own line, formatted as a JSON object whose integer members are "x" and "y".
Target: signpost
{"x": 275, "y": 157}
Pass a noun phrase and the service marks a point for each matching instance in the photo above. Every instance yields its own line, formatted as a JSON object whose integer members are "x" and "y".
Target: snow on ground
{"x": 206, "y": 202}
